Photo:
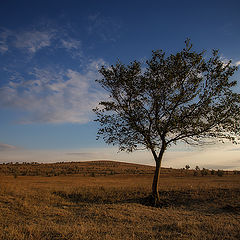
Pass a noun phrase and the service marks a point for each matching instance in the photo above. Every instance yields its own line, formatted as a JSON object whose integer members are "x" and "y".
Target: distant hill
{"x": 90, "y": 168}
{"x": 96, "y": 168}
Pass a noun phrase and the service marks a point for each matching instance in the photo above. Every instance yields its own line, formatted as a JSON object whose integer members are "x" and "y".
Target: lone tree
{"x": 187, "y": 167}
{"x": 181, "y": 97}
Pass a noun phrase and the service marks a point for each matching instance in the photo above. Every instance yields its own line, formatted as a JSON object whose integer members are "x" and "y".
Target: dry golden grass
{"x": 116, "y": 207}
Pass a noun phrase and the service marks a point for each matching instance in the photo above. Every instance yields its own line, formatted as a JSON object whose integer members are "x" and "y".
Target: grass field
{"x": 115, "y": 206}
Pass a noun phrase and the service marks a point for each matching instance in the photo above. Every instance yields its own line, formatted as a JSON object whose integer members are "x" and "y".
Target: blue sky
{"x": 50, "y": 52}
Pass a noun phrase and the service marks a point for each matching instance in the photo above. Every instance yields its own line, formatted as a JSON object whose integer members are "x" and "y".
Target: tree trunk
{"x": 158, "y": 160}
{"x": 155, "y": 193}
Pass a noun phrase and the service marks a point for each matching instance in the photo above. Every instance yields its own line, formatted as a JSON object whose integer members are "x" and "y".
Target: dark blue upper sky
{"x": 50, "y": 52}
{"x": 131, "y": 29}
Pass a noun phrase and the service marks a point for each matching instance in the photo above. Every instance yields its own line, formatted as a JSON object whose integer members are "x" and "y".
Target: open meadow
{"x": 110, "y": 201}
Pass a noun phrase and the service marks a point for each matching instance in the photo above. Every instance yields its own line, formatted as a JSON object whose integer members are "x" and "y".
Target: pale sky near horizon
{"x": 50, "y": 52}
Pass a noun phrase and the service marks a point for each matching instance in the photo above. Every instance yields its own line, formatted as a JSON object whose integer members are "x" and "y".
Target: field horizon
{"x": 109, "y": 200}
{"x": 98, "y": 167}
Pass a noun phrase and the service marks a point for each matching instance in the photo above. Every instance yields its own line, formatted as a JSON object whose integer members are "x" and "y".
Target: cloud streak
{"x": 176, "y": 159}
{"x": 51, "y": 96}
{"x": 33, "y": 40}
{"x": 4, "y": 34}
{"x": 47, "y": 88}
{"x": 104, "y": 28}
{"x": 6, "y": 147}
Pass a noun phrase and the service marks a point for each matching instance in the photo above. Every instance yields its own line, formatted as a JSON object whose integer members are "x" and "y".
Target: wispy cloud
{"x": 70, "y": 44}
{"x": 33, "y": 40}
{"x": 46, "y": 88}
{"x": 234, "y": 149}
{"x": 103, "y": 27}
{"x": 237, "y": 63}
{"x": 226, "y": 60}
{"x": 54, "y": 96}
{"x": 89, "y": 155}
{"x": 218, "y": 156}
{"x": 27, "y": 40}
{"x": 5, "y": 147}
{"x": 207, "y": 159}
{"x": 4, "y": 34}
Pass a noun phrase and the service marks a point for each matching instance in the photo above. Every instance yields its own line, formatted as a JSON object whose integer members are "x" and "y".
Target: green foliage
{"x": 197, "y": 168}
{"x": 220, "y": 173}
{"x": 195, "y": 173}
{"x": 204, "y": 172}
{"x": 212, "y": 172}
{"x": 181, "y": 97}
{"x": 187, "y": 167}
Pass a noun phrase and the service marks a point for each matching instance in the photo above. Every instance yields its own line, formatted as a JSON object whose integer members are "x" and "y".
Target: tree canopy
{"x": 181, "y": 97}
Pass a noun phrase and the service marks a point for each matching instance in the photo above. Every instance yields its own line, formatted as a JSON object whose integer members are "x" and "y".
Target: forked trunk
{"x": 158, "y": 160}
{"x": 155, "y": 193}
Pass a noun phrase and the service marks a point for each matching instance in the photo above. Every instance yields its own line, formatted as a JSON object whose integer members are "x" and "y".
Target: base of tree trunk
{"x": 153, "y": 200}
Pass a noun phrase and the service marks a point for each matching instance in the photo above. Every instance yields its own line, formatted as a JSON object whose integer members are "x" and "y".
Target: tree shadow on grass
{"x": 107, "y": 198}
{"x": 209, "y": 201}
